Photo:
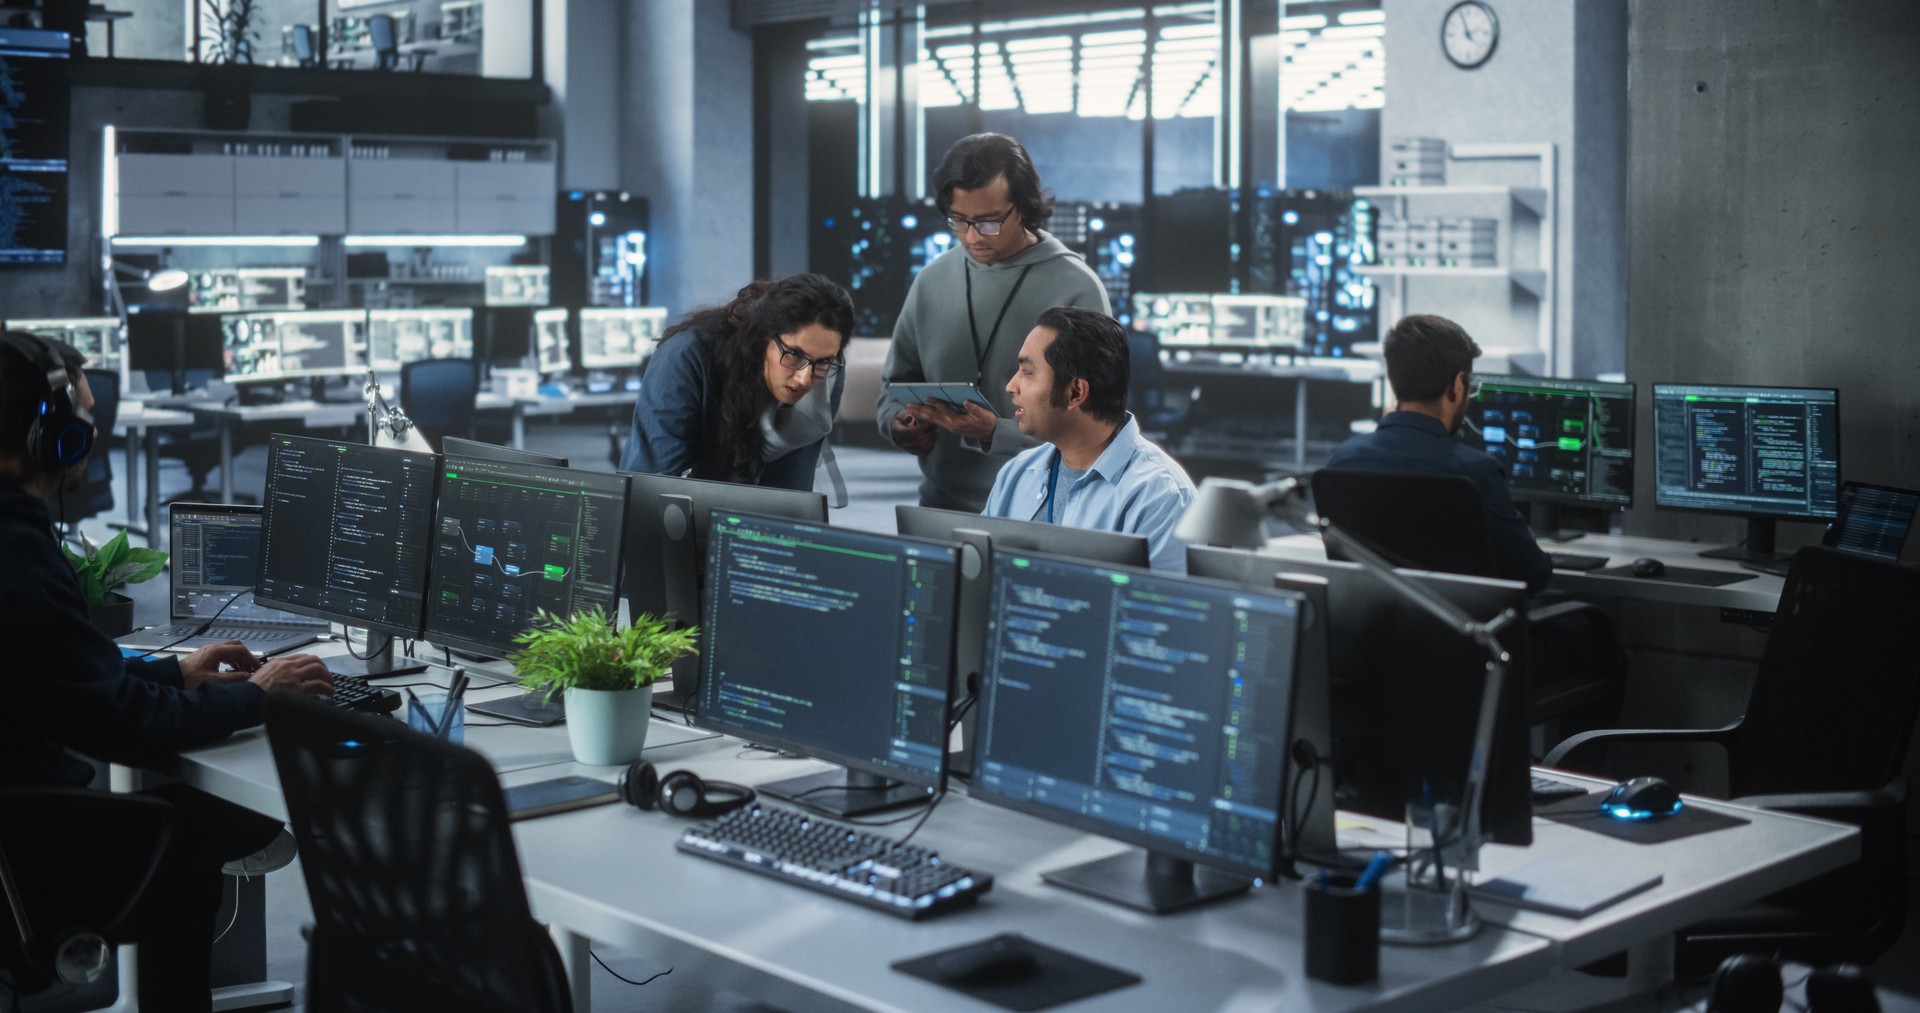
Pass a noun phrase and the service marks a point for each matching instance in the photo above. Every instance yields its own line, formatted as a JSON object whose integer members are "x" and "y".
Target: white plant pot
{"x": 608, "y": 726}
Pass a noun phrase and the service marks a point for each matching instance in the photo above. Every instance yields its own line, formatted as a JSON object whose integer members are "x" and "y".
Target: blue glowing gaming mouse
{"x": 1642, "y": 798}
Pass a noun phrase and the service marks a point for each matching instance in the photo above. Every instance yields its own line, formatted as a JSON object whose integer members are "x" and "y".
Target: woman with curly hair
{"x": 745, "y": 392}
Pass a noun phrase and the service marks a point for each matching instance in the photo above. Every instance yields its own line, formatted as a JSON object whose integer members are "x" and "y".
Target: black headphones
{"x": 1751, "y": 982}
{"x": 61, "y": 433}
{"x": 681, "y": 793}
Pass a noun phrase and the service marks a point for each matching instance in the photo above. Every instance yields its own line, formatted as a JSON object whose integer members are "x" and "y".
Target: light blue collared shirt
{"x": 1133, "y": 488}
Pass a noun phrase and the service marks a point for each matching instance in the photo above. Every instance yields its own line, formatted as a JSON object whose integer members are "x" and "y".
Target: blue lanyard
{"x": 1053, "y": 476}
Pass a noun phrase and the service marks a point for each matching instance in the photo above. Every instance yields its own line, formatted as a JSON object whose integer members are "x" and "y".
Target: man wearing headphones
{"x": 68, "y": 688}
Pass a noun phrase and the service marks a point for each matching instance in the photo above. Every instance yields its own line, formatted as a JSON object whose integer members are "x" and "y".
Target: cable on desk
{"x": 617, "y": 974}
{"x": 346, "y": 637}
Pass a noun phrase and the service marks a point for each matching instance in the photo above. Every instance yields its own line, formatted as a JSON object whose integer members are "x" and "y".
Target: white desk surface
{"x": 612, "y": 874}
{"x": 135, "y": 415}
{"x": 1760, "y": 593}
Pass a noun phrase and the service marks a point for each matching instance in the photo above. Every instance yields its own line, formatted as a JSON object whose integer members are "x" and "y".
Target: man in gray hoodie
{"x": 968, "y": 312}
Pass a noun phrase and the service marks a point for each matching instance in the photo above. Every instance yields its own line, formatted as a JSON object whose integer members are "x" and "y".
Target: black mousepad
{"x": 1057, "y": 976}
{"x": 1584, "y": 813}
{"x": 1680, "y": 575}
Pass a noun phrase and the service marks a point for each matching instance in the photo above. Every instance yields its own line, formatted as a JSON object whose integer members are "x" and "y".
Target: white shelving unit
{"x": 1536, "y": 283}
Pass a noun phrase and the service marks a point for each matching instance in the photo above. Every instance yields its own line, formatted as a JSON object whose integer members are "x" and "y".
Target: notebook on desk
{"x": 215, "y": 559}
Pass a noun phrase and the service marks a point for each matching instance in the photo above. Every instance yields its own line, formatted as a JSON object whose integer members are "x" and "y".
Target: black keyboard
{"x": 354, "y": 693}
{"x": 905, "y": 880}
{"x": 1546, "y": 789}
{"x": 1576, "y": 561}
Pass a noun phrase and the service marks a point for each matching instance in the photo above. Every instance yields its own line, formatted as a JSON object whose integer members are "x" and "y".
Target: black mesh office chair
{"x": 95, "y": 496}
{"x": 1825, "y": 734}
{"x": 438, "y": 395}
{"x": 74, "y": 863}
{"x": 306, "y": 52}
{"x": 417, "y": 897}
{"x": 1577, "y": 670}
{"x": 384, "y": 37}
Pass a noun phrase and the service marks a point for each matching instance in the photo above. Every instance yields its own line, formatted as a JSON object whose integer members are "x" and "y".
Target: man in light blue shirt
{"x": 1092, "y": 469}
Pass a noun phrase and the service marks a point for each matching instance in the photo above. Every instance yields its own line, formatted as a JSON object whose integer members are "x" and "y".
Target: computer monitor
{"x": 517, "y": 285}
{"x": 504, "y": 333}
{"x": 1146, "y": 707}
{"x": 1177, "y": 320}
{"x": 871, "y": 692}
{"x": 978, "y": 535}
{"x": 345, "y": 532}
{"x": 1763, "y": 453}
{"x": 669, "y": 524}
{"x": 455, "y": 446}
{"x": 1405, "y": 691}
{"x": 1874, "y": 520}
{"x": 397, "y": 337}
{"x": 96, "y": 338}
{"x": 513, "y": 539}
{"x": 619, "y": 338}
{"x": 1258, "y": 322}
{"x": 553, "y": 352}
{"x": 289, "y": 345}
{"x": 174, "y": 343}
{"x": 1563, "y": 442}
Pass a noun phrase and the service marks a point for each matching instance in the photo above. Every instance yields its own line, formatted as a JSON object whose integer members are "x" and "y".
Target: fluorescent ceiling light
{"x": 1110, "y": 38}
{"x": 1355, "y": 32}
{"x": 1363, "y": 17}
{"x": 833, "y": 43}
{"x": 216, "y": 240}
{"x": 1307, "y": 21}
{"x": 1048, "y": 44}
{"x": 1191, "y": 32}
{"x": 433, "y": 240}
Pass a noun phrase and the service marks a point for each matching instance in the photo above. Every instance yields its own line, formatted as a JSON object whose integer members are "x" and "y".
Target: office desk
{"x": 1759, "y": 594}
{"x": 612, "y": 874}
{"x": 527, "y": 407}
{"x": 1301, "y": 373}
{"x": 138, "y": 421}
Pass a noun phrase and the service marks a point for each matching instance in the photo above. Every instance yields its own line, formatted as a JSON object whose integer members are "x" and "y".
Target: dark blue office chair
{"x": 95, "y": 496}
{"x": 305, "y": 52}
{"x": 418, "y": 901}
{"x": 438, "y": 395}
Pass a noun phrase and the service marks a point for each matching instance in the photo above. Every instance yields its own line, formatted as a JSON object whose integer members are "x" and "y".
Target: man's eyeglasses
{"x": 796, "y": 360}
{"x": 986, "y": 227}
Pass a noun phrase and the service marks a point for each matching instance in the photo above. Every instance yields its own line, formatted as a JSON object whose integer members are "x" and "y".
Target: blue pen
{"x": 1374, "y": 870}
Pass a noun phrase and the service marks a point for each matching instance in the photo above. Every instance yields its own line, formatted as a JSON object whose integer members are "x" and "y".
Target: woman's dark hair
{"x": 975, "y": 160}
{"x": 1424, "y": 353}
{"x": 1089, "y": 345}
{"x": 739, "y": 332}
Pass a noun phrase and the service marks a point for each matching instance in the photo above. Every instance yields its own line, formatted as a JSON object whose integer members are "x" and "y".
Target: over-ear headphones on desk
{"x": 681, "y": 793}
{"x": 1750, "y": 983}
{"x": 61, "y": 432}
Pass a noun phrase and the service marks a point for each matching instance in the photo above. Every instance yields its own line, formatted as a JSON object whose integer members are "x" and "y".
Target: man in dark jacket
{"x": 69, "y": 689}
{"x": 1430, "y": 367}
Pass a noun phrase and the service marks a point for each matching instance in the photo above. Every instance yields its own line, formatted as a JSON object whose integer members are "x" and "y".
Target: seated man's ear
{"x": 1077, "y": 391}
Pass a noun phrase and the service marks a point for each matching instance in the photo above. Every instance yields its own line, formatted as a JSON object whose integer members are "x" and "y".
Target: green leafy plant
{"x": 113, "y": 566}
{"x": 586, "y": 652}
{"x": 228, "y": 35}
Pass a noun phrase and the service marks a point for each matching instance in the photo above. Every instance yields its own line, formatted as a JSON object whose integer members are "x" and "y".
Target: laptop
{"x": 1873, "y": 520}
{"x": 216, "y": 559}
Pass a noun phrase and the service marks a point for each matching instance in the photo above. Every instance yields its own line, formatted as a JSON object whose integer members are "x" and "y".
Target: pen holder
{"x": 431, "y": 713}
{"x": 1343, "y": 931}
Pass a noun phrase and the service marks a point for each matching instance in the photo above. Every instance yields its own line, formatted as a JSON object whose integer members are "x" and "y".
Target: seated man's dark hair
{"x": 975, "y": 160}
{"x": 1424, "y": 353}
{"x": 1089, "y": 346}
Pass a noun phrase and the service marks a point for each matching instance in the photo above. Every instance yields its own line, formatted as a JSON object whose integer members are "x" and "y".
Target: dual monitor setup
{"x": 1765, "y": 454}
{"x": 282, "y": 345}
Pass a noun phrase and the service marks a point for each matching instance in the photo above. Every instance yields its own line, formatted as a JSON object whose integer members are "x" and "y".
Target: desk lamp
{"x": 388, "y": 425}
{"x": 1230, "y": 513}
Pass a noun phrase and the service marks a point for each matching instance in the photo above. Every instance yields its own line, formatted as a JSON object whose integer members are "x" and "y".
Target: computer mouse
{"x": 1647, "y": 566}
{"x": 995, "y": 962}
{"x": 1642, "y": 798}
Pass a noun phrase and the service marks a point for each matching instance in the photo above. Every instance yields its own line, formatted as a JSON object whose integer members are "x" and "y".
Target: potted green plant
{"x": 605, "y": 673}
{"x": 103, "y": 570}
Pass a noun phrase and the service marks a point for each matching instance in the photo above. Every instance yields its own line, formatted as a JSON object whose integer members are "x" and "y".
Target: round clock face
{"x": 1468, "y": 33}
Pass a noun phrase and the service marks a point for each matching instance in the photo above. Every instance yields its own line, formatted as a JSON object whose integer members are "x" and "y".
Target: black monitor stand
{"x": 845, "y": 793}
{"x": 1757, "y": 547}
{"x": 381, "y": 664}
{"x": 1149, "y": 881}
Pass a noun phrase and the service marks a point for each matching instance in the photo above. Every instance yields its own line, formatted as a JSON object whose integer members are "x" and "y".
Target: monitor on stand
{"x": 978, "y": 535}
{"x": 668, "y": 525}
{"x": 1765, "y": 454}
{"x": 1145, "y": 707}
{"x": 175, "y": 343}
{"x": 95, "y": 338}
{"x": 1567, "y": 446}
{"x": 511, "y": 540}
{"x": 867, "y": 684}
{"x": 375, "y": 506}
